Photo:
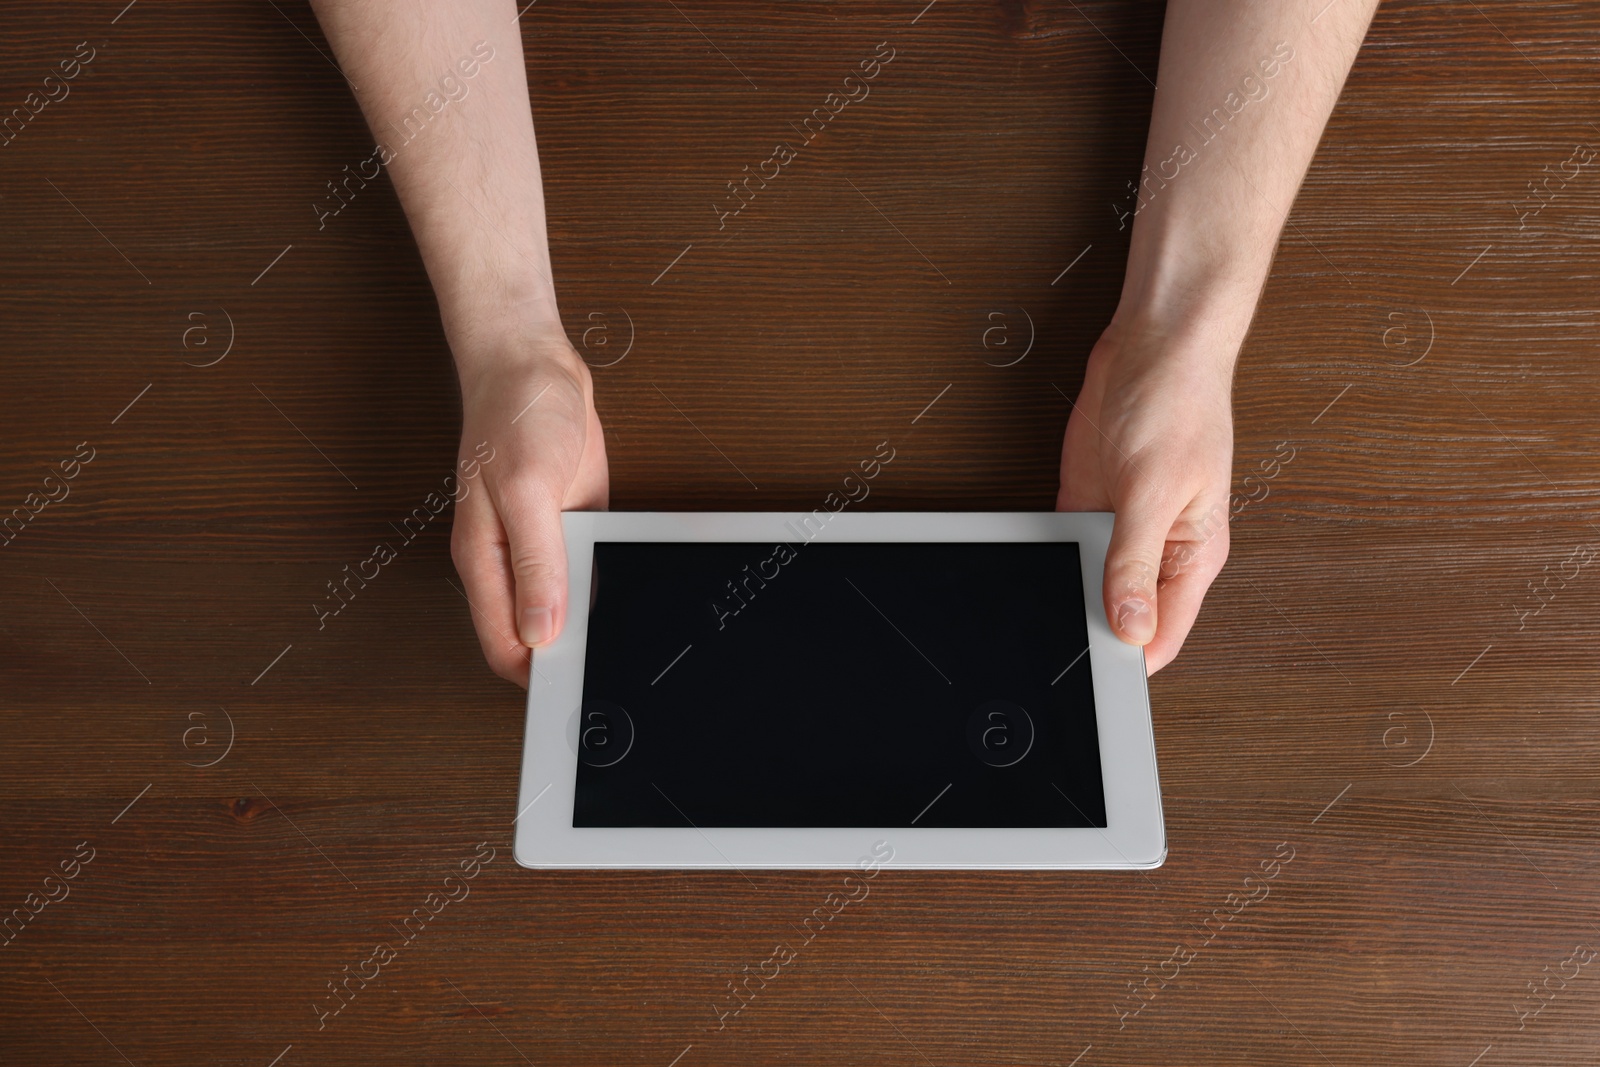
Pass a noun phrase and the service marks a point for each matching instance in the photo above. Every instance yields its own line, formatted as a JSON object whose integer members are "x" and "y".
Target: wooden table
{"x": 1394, "y": 681}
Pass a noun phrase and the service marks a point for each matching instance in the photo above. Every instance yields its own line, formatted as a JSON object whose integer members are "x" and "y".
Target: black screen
{"x": 837, "y": 685}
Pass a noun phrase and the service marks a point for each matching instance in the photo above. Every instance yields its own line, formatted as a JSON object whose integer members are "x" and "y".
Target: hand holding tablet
{"x": 768, "y": 690}
{"x": 524, "y": 389}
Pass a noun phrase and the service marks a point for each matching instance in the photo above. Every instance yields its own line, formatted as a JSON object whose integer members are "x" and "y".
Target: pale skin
{"x": 1151, "y": 433}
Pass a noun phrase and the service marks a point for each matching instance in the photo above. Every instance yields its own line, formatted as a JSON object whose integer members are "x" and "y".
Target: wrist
{"x": 1192, "y": 286}
{"x": 499, "y": 317}
{"x": 478, "y": 306}
{"x": 514, "y": 336}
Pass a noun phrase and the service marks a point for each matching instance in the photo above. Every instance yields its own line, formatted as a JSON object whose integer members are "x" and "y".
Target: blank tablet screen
{"x": 861, "y": 684}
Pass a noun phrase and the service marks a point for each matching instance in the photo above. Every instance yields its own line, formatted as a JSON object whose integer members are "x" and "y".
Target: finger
{"x": 1187, "y": 572}
{"x": 548, "y": 448}
{"x": 478, "y": 547}
{"x": 1133, "y": 563}
{"x": 530, "y": 510}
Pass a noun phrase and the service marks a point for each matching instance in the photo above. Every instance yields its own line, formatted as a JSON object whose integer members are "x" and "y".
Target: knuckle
{"x": 531, "y": 490}
{"x": 469, "y": 550}
{"x": 535, "y": 568}
{"x": 458, "y": 546}
{"x": 1134, "y": 574}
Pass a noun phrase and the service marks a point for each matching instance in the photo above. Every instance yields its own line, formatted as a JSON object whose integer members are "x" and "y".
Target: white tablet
{"x": 779, "y": 690}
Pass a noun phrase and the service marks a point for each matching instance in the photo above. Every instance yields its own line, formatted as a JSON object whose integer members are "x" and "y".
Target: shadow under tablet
{"x": 863, "y": 684}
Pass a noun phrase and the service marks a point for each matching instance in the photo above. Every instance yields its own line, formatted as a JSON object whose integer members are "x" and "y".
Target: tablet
{"x": 765, "y": 690}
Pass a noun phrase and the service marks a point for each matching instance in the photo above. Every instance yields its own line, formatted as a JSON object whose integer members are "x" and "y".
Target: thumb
{"x": 1133, "y": 565}
{"x": 531, "y": 514}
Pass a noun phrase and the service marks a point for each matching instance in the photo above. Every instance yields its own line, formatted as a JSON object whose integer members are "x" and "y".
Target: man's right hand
{"x": 525, "y": 391}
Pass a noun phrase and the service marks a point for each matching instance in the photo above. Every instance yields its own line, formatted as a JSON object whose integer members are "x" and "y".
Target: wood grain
{"x": 1361, "y": 687}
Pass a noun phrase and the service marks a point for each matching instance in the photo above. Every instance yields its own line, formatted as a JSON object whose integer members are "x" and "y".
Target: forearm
{"x": 1245, "y": 90}
{"x": 444, "y": 89}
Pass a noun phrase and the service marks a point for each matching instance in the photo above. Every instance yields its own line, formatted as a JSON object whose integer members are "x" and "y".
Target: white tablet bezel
{"x": 1134, "y": 835}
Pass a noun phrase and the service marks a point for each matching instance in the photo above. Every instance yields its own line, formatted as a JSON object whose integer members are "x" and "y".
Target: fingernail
{"x": 1135, "y": 621}
{"x": 535, "y": 628}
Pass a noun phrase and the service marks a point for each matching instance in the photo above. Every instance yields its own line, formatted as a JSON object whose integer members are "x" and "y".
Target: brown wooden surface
{"x": 1368, "y": 606}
